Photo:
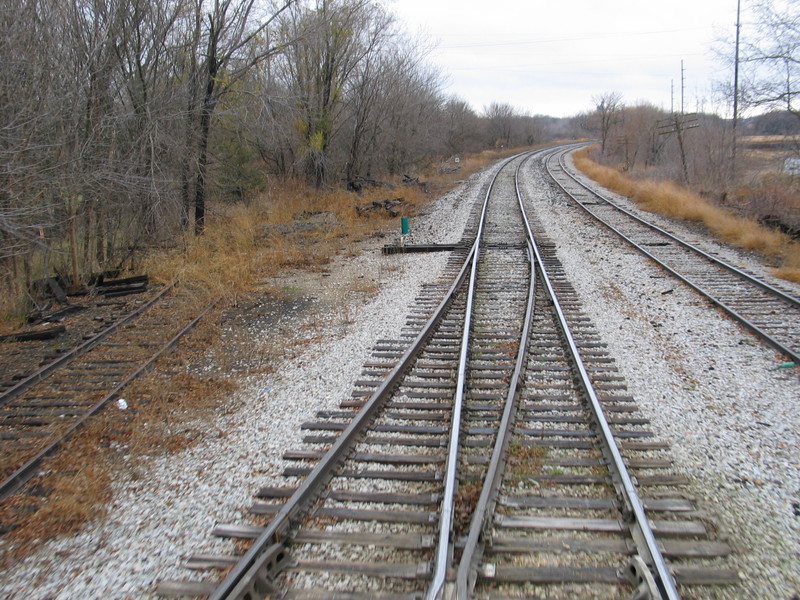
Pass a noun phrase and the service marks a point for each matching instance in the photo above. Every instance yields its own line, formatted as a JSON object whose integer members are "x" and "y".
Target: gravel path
{"x": 694, "y": 373}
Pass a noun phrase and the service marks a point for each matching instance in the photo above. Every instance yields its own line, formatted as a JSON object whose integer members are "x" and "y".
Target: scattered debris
{"x": 122, "y": 287}
{"x": 57, "y": 291}
{"x": 54, "y": 316}
{"x": 102, "y": 282}
{"x": 776, "y": 222}
{"x": 360, "y": 183}
{"x": 389, "y": 205}
{"x": 302, "y": 223}
{"x": 54, "y": 287}
{"x": 414, "y": 181}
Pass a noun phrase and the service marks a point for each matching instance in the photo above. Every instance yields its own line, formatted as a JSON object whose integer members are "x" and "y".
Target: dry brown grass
{"x": 288, "y": 226}
{"x": 767, "y": 140}
{"x": 672, "y": 200}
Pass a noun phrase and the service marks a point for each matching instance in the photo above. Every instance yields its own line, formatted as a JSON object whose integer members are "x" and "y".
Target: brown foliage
{"x": 672, "y": 200}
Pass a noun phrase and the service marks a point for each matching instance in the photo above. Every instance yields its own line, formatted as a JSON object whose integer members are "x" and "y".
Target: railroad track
{"x": 771, "y": 313}
{"x": 491, "y": 452}
{"x": 81, "y": 325}
{"x": 43, "y": 409}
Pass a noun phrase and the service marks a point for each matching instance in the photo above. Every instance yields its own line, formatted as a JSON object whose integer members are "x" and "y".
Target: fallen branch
{"x": 388, "y": 205}
{"x": 39, "y": 334}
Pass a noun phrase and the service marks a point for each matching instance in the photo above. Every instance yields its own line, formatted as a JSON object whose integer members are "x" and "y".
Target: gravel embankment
{"x": 731, "y": 413}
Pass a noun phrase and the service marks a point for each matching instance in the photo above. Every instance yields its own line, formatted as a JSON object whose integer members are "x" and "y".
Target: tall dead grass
{"x": 669, "y": 199}
{"x": 289, "y": 226}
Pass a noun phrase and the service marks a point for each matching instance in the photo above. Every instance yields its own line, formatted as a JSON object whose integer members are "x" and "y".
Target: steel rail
{"x": 42, "y": 373}
{"x": 640, "y": 527}
{"x": 743, "y": 274}
{"x": 447, "y": 510}
{"x": 18, "y": 478}
{"x": 250, "y": 578}
{"x": 465, "y": 575}
{"x": 761, "y": 333}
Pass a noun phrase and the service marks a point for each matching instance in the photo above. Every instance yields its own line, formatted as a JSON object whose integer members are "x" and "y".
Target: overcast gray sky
{"x": 552, "y": 57}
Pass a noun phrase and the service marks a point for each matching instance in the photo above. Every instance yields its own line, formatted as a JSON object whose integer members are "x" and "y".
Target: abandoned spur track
{"x": 493, "y": 451}
{"x": 771, "y": 313}
{"x": 41, "y": 410}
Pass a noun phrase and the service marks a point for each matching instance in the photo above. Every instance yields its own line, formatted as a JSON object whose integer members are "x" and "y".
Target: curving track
{"x": 773, "y": 314}
{"x": 493, "y": 452}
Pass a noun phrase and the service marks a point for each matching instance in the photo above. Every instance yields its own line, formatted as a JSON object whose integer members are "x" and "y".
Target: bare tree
{"x": 773, "y": 56}
{"x": 348, "y": 84}
{"x": 607, "y": 111}
{"x": 366, "y": 91}
{"x": 413, "y": 110}
{"x": 462, "y": 127}
{"x": 328, "y": 49}
{"x": 234, "y": 42}
{"x": 500, "y": 117}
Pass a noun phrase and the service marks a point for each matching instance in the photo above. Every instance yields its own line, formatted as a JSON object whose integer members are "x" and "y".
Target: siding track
{"x": 41, "y": 412}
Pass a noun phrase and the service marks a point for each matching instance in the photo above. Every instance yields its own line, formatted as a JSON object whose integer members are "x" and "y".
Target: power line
{"x": 594, "y": 36}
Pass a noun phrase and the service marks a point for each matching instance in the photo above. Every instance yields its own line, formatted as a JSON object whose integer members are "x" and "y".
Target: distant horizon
{"x": 765, "y": 112}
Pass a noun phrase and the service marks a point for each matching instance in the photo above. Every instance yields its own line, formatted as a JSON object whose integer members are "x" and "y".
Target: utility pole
{"x": 672, "y": 95}
{"x": 736, "y": 86}
{"x": 683, "y": 87}
{"x": 678, "y": 124}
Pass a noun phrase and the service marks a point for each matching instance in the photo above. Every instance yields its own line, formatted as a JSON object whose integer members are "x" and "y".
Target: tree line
{"x": 119, "y": 119}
